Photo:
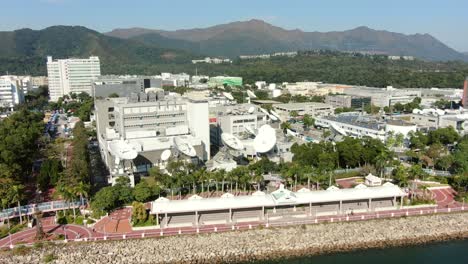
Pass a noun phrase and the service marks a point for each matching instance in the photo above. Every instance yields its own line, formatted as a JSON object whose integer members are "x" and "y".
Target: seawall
{"x": 257, "y": 244}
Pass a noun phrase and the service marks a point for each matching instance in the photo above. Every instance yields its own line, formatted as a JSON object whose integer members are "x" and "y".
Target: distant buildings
{"x": 219, "y": 81}
{"x": 465, "y": 94}
{"x": 311, "y": 108}
{"x": 267, "y": 56}
{"x": 123, "y": 86}
{"x": 409, "y": 58}
{"x": 71, "y": 76}
{"x": 429, "y": 119}
{"x": 358, "y": 126}
{"x": 383, "y": 97}
{"x": 348, "y": 101}
{"x": 212, "y": 61}
{"x": 11, "y": 91}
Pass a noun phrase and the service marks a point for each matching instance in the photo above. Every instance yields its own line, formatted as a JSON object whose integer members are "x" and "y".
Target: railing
{"x": 43, "y": 207}
{"x": 245, "y": 226}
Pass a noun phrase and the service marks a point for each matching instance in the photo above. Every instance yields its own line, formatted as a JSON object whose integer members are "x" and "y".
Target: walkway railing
{"x": 172, "y": 231}
{"x": 43, "y": 207}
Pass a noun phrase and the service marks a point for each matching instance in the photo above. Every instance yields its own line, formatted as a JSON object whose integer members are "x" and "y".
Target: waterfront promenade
{"x": 116, "y": 226}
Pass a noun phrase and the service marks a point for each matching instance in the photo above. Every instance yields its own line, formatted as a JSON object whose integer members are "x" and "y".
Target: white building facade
{"x": 71, "y": 76}
{"x": 11, "y": 92}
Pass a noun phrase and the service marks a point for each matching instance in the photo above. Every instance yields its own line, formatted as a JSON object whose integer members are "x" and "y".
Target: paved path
{"x": 117, "y": 224}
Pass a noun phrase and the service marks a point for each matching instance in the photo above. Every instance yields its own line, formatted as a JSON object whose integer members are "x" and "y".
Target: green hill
{"x": 258, "y": 37}
{"x": 25, "y": 50}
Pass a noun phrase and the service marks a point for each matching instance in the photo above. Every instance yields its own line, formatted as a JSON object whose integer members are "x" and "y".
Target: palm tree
{"x": 81, "y": 190}
{"x": 16, "y": 195}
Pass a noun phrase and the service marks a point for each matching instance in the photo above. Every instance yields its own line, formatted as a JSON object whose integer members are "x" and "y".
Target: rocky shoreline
{"x": 255, "y": 245}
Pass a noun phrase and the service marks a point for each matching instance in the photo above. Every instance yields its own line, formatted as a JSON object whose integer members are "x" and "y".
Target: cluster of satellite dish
{"x": 123, "y": 150}
{"x": 432, "y": 111}
{"x": 264, "y": 141}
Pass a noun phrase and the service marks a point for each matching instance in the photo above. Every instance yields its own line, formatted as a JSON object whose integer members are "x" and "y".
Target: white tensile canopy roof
{"x": 371, "y": 177}
{"x": 279, "y": 197}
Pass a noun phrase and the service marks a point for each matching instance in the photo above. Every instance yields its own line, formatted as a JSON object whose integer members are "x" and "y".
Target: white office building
{"x": 71, "y": 76}
{"x": 11, "y": 92}
{"x": 155, "y": 128}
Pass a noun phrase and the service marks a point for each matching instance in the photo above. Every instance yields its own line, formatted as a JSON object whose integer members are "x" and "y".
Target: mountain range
{"x": 258, "y": 37}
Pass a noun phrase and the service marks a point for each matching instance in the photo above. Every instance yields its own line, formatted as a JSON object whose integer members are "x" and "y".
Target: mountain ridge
{"x": 257, "y": 36}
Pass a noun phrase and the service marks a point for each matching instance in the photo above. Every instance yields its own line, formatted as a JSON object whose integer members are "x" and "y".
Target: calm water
{"x": 455, "y": 252}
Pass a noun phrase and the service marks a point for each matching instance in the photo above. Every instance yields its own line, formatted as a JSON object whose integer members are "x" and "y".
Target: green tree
{"x": 123, "y": 189}
{"x": 16, "y": 195}
{"x": 105, "y": 199}
{"x": 308, "y": 121}
{"x": 139, "y": 213}
{"x": 142, "y": 192}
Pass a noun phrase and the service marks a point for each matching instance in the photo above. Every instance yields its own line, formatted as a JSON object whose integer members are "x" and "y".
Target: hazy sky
{"x": 447, "y": 20}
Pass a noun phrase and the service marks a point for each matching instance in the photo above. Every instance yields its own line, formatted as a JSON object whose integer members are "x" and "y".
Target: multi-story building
{"x": 11, "y": 92}
{"x": 218, "y": 81}
{"x": 123, "y": 86}
{"x": 311, "y": 108}
{"x": 151, "y": 123}
{"x": 431, "y": 120}
{"x": 71, "y": 76}
{"x": 349, "y": 101}
{"x": 358, "y": 126}
{"x": 39, "y": 81}
{"x": 465, "y": 94}
{"x": 383, "y": 97}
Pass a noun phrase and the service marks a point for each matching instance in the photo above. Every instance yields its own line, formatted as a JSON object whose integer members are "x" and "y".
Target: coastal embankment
{"x": 257, "y": 244}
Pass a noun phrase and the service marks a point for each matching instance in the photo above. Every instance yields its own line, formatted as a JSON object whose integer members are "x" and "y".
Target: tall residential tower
{"x": 71, "y": 76}
{"x": 465, "y": 94}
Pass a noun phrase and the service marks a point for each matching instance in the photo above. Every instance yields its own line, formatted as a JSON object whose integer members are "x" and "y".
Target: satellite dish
{"x": 275, "y": 114}
{"x": 166, "y": 154}
{"x": 416, "y": 111}
{"x": 251, "y": 109}
{"x": 124, "y": 150}
{"x": 228, "y": 96}
{"x": 272, "y": 117}
{"x": 440, "y": 112}
{"x": 250, "y": 130}
{"x": 251, "y": 94}
{"x": 265, "y": 139}
{"x": 232, "y": 141}
{"x": 291, "y": 133}
{"x": 185, "y": 147}
{"x": 264, "y": 111}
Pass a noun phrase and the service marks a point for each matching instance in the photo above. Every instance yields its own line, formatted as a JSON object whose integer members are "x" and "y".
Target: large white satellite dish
{"x": 166, "y": 154}
{"x": 228, "y": 96}
{"x": 250, "y": 130}
{"x": 265, "y": 139}
{"x": 124, "y": 150}
{"x": 416, "y": 111}
{"x": 185, "y": 147}
{"x": 232, "y": 141}
{"x": 251, "y": 109}
{"x": 251, "y": 94}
